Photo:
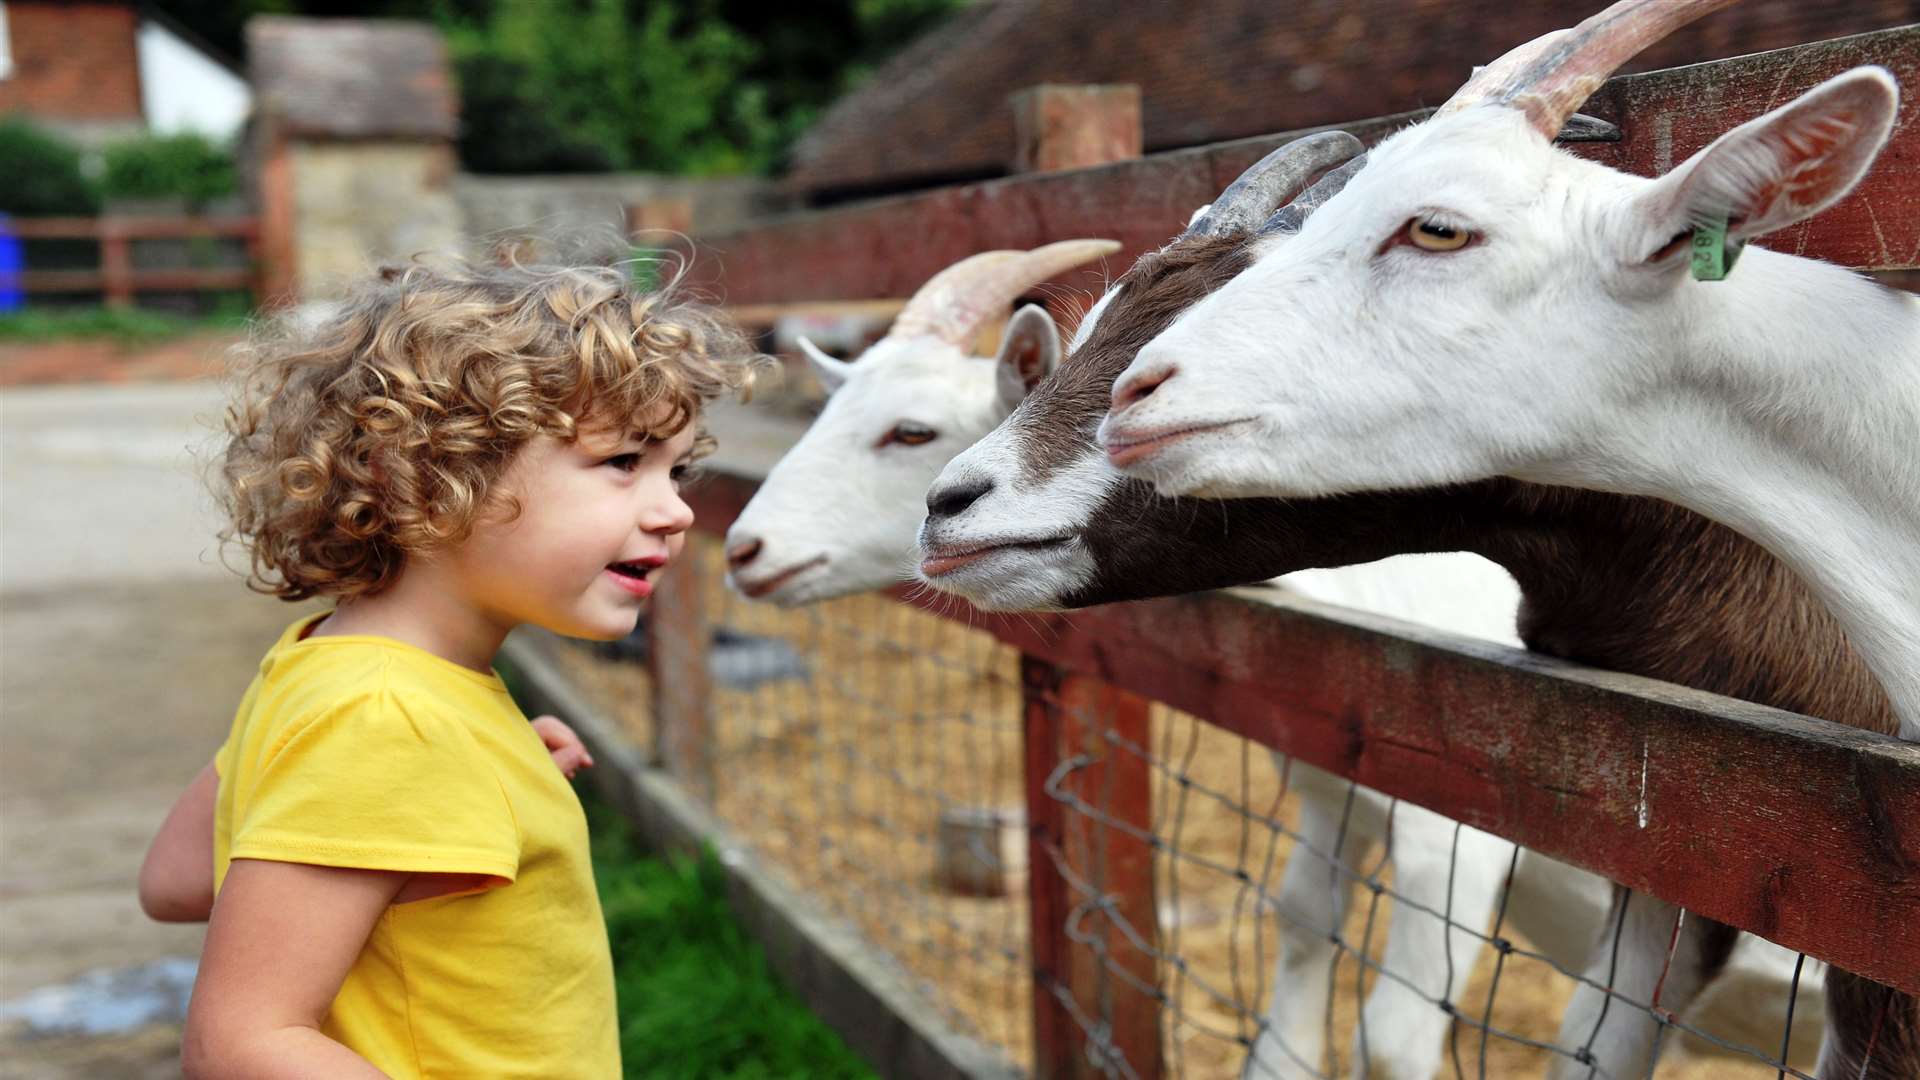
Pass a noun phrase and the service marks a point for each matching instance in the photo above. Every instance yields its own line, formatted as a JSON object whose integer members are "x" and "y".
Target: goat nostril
{"x": 1141, "y": 386}
{"x": 946, "y": 502}
{"x": 741, "y": 554}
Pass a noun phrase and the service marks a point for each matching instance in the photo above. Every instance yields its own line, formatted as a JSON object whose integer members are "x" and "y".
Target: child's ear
{"x": 829, "y": 371}
{"x": 1772, "y": 171}
{"x": 1028, "y": 351}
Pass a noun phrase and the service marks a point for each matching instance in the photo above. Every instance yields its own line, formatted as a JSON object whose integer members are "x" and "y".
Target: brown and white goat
{"x": 1033, "y": 517}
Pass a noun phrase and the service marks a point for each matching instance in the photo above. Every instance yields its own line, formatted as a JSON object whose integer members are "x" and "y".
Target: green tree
{"x": 506, "y": 128}
{"x": 682, "y": 86}
{"x": 652, "y": 90}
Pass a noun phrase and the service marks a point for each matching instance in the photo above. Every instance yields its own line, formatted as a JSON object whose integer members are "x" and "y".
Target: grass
{"x": 697, "y": 998}
{"x": 127, "y": 326}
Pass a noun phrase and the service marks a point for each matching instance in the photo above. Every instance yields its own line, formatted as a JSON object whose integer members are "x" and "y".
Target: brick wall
{"x": 72, "y": 62}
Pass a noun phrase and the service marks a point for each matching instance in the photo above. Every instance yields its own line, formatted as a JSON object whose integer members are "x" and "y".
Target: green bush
{"x": 169, "y": 166}
{"x": 129, "y": 327}
{"x": 40, "y": 173}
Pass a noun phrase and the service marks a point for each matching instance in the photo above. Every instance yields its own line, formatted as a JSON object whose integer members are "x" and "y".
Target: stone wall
{"x": 359, "y": 204}
{"x": 596, "y": 206}
{"x": 362, "y": 203}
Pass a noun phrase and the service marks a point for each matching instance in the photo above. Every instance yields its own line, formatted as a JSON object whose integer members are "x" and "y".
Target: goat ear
{"x": 829, "y": 371}
{"x": 1774, "y": 170}
{"x": 1028, "y": 351}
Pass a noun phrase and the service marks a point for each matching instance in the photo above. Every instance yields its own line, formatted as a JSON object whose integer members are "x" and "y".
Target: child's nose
{"x": 670, "y": 516}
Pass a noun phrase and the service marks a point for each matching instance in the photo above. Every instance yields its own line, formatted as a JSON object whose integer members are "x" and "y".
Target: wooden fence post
{"x": 660, "y": 215}
{"x": 1073, "y": 127}
{"x": 677, "y": 637}
{"x": 256, "y": 265}
{"x": 116, "y": 264}
{"x": 279, "y": 242}
{"x": 1078, "y": 860}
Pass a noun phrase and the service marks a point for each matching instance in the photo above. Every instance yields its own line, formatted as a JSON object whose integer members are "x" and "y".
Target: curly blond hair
{"x": 380, "y": 431}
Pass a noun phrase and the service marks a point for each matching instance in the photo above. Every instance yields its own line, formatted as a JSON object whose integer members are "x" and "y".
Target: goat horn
{"x": 1290, "y": 217}
{"x": 1273, "y": 181}
{"x": 1549, "y": 77}
{"x": 955, "y": 302}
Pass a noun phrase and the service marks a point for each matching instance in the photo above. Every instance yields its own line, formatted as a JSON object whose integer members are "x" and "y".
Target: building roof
{"x": 352, "y": 78}
{"x": 1220, "y": 69}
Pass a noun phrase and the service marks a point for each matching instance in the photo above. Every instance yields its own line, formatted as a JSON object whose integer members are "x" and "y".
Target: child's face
{"x": 605, "y": 500}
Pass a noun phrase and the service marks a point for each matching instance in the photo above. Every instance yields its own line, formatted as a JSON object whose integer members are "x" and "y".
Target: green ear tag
{"x": 1713, "y": 257}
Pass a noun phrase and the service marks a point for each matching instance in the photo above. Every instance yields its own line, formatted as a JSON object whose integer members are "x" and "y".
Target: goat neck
{"x": 1799, "y": 430}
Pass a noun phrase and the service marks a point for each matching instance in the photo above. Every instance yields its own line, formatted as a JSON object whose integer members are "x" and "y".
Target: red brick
{"x": 72, "y": 61}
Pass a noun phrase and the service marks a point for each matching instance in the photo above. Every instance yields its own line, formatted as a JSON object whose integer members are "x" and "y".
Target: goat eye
{"x": 1428, "y": 235}
{"x": 910, "y": 434}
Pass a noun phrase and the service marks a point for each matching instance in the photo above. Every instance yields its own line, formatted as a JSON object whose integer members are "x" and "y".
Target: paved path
{"x": 123, "y": 648}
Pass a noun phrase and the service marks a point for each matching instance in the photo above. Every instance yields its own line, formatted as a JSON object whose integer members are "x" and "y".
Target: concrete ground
{"x": 124, "y": 647}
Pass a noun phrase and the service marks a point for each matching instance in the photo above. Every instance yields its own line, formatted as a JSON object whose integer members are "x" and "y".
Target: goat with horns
{"x": 839, "y": 513}
{"x": 1780, "y": 647}
{"x": 1475, "y": 303}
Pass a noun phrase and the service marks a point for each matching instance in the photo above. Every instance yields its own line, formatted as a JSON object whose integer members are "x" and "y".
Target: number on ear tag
{"x": 1713, "y": 257}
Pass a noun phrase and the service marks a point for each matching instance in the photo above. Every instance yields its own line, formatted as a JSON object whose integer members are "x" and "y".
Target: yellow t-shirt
{"x": 368, "y": 752}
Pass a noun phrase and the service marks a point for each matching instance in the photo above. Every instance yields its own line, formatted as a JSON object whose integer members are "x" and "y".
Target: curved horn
{"x": 943, "y": 290}
{"x": 1290, "y": 217}
{"x": 1272, "y": 181}
{"x": 1549, "y": 77}
{"x": 952, "y": 305}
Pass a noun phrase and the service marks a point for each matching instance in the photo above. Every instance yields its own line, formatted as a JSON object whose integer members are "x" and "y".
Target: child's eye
{"x": 624, "y": 462}
{"x": 680, "y": 473}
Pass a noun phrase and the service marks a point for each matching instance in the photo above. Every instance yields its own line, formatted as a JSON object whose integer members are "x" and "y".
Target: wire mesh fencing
{"x": 872, "y": 754}
{"x": 1104, "y": 886}
{"x": 1280, "y": 891}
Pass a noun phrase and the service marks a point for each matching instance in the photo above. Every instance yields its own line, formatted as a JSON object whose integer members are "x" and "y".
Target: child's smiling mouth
{"x": 631, "y": 574}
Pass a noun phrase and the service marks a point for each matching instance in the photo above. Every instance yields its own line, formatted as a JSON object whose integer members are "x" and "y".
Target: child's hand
{"x": 569, "y": 753}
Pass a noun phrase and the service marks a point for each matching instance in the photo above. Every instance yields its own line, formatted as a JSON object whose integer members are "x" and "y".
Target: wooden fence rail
{"x": 117, "y": 277}
{"x": 1802, "y": 831}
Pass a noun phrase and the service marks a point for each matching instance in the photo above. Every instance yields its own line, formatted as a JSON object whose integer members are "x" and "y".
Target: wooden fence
{"x": 117, "y": 277}
{"x": 1793, "y": 828}
{"x": 889, "y": 248}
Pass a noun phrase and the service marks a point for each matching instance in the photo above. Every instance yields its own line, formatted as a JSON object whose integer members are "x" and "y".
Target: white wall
{"x": 181, "y": 89}
{"x": 6, "y": 49}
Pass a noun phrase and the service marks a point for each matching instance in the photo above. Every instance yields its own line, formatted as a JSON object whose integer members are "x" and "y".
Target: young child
{"x": 397, "y": 872}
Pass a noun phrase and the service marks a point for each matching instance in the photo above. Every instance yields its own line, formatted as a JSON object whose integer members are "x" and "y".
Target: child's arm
{"x": 282, "y": 939}
{"x": 176, "y": 880}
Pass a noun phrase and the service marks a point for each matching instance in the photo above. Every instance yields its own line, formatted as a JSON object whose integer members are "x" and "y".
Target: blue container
{"x": 13, "y": 291}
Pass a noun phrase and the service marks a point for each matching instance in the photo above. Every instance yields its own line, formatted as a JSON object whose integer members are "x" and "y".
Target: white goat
{"x": 838, "y": 515}
{"x": 1477, "y": 303}
{"x": 1009, "y": 496}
